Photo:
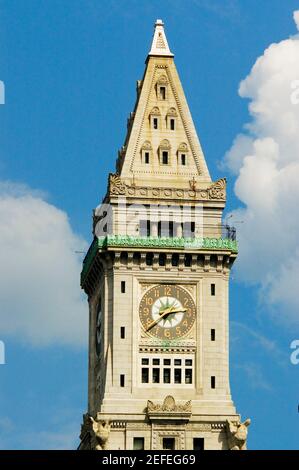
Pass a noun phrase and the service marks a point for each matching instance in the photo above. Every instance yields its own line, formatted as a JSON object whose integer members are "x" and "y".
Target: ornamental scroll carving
{"x": 218, "y": 189}
{"x": 168, "y": 406}
{"x": 116, "y": 186}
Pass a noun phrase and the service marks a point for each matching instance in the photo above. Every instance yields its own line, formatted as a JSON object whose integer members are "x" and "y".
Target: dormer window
{"x": 171, "y": 118}
{"x": 161, "y": 87}
{"x": 164, "y": 152}
{"x": 182, "y": 154}
{"x": 155, "y": 118}
{"x": 146, "y": 152}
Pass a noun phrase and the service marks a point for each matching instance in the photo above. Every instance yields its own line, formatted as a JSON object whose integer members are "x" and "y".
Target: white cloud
{"x": 266, "y": 160}
{"x": 40, "y": 297}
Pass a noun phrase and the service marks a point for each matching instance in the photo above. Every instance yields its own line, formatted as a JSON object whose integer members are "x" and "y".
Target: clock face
{"x": 167, "y": 311}
{"x": 98, "y": 329}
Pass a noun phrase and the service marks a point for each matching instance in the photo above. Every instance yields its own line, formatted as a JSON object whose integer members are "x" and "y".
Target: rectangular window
{"x": 198, "y": 443}
{"x": 155, "y": 123}
{"x": 166, "y": 362}
{"x": 213, "y": 289}
{"x": 177, "y": 376}
{"x": 162, "y": 92}
{"x": 156, "y": 375}
{"x": 166, "y": 376}
{"x": 123, "y": 287}
{"x": 165, "y": 157}
{"x": 213, "y": 381}
{"x": 188, "y": 362}
{"x": 138, "y": 443}
{"x": 168, "y": 443}
{"x": 122, "y": 380}
{"x": 145, "y": 228}
{"x": 183, "y": 159}
{"x": 122, "y": 332}
{"x": 156, "y": 362}
{"x": 188, "y": 376}
{"x": 144, "y": 375}
{"x": 146, "y": 157}
{"x": 172, "y": 124}
{"x": 213, "y": 335}
{"x": 177, "y": 362}
{"x": 145, "y": 361}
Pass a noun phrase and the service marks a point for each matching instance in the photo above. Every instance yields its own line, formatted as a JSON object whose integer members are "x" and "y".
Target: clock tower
{"x": 157, "y": 280}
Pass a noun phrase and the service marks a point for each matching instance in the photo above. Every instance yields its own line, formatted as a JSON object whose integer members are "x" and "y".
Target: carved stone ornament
{"x": 218, "y": 189}
{"x": 165, "y": 144}
{"x": 162, "y": 80}
{"x": 146, "y": 145}
{"x": 183, "y": 147}
{"x": 237, "y": 434}
{"x": 99, "y": 432}
{"x": 172, "y": 112}
{"x": 116, "y": 186}
{"x": 168, "y": 406}
{"x": 155, "y": 111}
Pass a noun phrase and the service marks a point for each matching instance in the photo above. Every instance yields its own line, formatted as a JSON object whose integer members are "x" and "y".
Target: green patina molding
{"x": 155, "y": 242}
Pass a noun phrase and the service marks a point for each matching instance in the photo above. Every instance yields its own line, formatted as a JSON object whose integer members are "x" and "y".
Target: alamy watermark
{"x": 295, "y": 93}
{"x": 294, "y": 357}
{"x": 2, "y": 353}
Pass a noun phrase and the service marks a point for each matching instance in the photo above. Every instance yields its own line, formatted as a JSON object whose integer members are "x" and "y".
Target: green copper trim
{"x": 127, "y": 241}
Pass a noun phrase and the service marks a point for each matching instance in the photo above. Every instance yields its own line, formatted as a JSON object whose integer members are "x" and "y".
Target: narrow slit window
{"x": 123, "y": 287}
{"x": 183, "y": 159}
{"x": 172, "y": 124}
{"x": 165, "y": 157}
{"x": 146, "y": 158}
{"x": 162, "y": 92}
{"x": 155, "y": 123}
{"x": 213, "y": 381}
{"x": 213, "y": 289}
{"x": 122, "y": 380}
{"x": 122, "y": 332}
{"x": 213, "y": 334}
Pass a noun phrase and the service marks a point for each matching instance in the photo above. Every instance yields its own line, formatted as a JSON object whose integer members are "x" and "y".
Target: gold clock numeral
{"x": 156, "y": 293}
{"x": 186, "y": 301}
{"x": 167, "y": 290}
{"x": 148, "y": 321}
{"x": 149, "y": 301}
{"x": 178, "y": 330}
{"x": 145, "y": 310}
{"x": 185, "y": 323}
{"x": 167, "y": 333}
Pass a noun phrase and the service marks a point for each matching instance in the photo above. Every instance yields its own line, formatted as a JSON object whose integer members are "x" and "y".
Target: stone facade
{"x": 157, "y": 280}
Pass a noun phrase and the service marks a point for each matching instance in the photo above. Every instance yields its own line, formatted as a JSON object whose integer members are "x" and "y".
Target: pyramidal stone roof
{"x": 161, "y": 146}
{"x": 159, "y": 44}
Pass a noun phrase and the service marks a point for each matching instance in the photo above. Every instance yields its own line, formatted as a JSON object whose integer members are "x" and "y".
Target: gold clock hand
{"x": 166, "y": 312}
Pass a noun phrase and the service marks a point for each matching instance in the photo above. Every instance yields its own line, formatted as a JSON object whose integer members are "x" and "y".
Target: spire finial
{"x": 160, "y": 45}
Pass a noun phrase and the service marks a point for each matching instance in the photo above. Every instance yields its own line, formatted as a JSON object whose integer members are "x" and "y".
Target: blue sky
{"x": 69, "y": 69}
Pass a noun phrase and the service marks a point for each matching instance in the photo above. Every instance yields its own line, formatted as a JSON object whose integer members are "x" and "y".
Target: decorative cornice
{"x": 127, "y": 241}
{"x": 215, "y": 192}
